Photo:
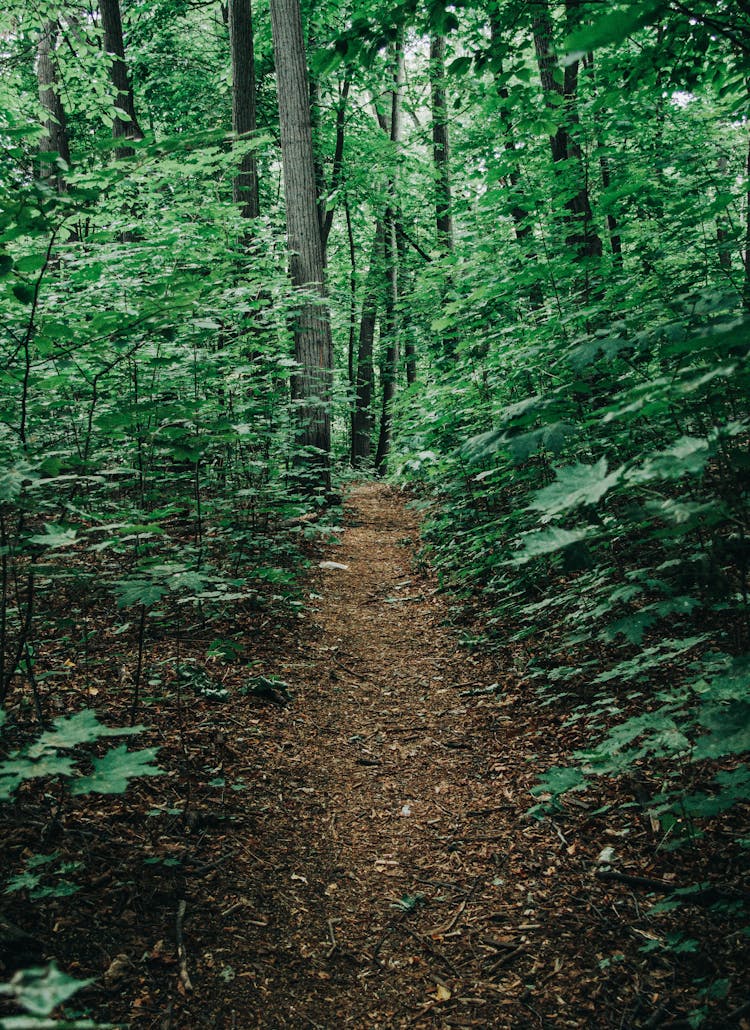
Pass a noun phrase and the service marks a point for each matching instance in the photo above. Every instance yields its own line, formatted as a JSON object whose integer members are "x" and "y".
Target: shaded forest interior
{"x": 487, "y": 259}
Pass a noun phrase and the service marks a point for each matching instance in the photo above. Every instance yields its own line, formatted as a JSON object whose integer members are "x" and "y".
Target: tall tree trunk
{"x": 362, "y": 421}
{"x": 55, "y": 138}
{"x": 311, "y": 386}
{"x": 746, "y": 283}
{"x": 245, "y": 184}
{"x": 406, "y": 332}
{"x": 615, "y": 240}
{"x": 518, "y": 212}
{"x": 441, "y": 161}
{"x": 127, "y": 128}
{"x": 441, "y": 145}
{"x": 337, "y": 167}
{"x": 561, "y": 98}
{"x": 389, "y": 331}
{"x": 389, "y": 323}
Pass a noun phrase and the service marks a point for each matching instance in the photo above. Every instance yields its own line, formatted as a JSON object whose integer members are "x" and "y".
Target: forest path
{"x": 382, "y": 897}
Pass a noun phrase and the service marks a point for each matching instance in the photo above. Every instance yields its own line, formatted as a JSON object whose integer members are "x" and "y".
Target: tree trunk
{"x": 245, "y": 184}
{"x": 55, "y": 139}
{"x": 583, "y": 238}
{"x": 362, "y": 420}
{"x": 311, "y": 386}
{"x": 615, "y": 240}
{"x": 518, "y": 212}
{"x": 443, "y": 199}
{"x": 337, "y": 168}
{"x": 441, "y": 146}
{"x": 746, "y": 282}
{"x": 389, "y": 324}
{"x": 389, "y": 331}
{"x": 128, "y": 127}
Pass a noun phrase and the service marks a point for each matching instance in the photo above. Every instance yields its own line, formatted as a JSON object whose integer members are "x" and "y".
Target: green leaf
{"x": 23, "y": 293}
{"x": 729, "y": 727}
{"x": 687, "y": 456}
{"x": 558, "y": 780}
{"x": 82, "y": 728}
{"x": 547, "y": 541}
{"x": 41, "y": 989}
{"x": 14, "y": 771}
{"x": 54, "y": 537}
{"x": 25, "y": 881}
{"x": 574, "y": 486}
{"x": 611, "y": 28}
{"x": 113, "y": 772}
{"x": 139, "y": 591}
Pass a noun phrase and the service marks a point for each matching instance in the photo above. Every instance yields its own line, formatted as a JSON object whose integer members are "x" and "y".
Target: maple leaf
{"x": 114, "y": 770}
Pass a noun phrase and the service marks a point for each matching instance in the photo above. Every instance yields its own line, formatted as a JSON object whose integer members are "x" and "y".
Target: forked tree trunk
{"x": 245, "y": 184}
{"x": 311, "y": 386}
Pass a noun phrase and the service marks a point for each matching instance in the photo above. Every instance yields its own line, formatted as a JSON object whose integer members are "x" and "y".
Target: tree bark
{"x": 127, "y": 128}
{"x": 746, "y": 282}
{"x": 389, "y": 323}
{"x": 389, "y": 331}
{"x": 245, "y": 184}
{"x": 55, "y": 139}
{"x": 337, "y": 167}
{"x": 583, "y": 238}
{"x": 518, "y": 212}
{"x": 362, "y": 421}
{"x": 311, "y": 386}
{"x": 441, "y": 146}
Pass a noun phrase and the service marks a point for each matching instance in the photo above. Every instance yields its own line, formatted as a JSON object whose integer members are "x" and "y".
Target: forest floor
{"x": 362, "y": 856}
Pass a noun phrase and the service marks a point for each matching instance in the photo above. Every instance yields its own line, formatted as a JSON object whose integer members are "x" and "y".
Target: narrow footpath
{"x": 393, "y": 878}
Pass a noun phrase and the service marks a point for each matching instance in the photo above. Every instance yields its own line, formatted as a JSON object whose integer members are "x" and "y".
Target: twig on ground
{"x": 332, "y": 935}
{"x": 692, "y": 892}
{"x": 181, "y": 952}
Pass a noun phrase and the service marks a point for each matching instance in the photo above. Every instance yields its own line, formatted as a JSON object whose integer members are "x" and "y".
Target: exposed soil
{"x": 376, "y": 867}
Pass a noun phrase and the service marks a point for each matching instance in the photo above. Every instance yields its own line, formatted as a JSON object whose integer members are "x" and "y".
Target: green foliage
{"x": 39, "y": 990}
{"x": 587, "y": 483}
{"x": 114, "y": 770}
{"x": 40, "y": 759}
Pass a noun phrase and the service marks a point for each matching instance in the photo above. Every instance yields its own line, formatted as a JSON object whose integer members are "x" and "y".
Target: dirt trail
{"x": 384, "y": 893}
{"x": 362, "y": 857}
{"x": 384, "y": 873}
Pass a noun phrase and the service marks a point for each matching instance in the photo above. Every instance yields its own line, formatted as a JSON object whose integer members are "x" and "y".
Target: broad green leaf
{"x": 612, "y": 27}
{"x": 54, "y": 537}
{"x": 82, "y": 728}
{"x": 14, "y": 771}
{"x": 41, "y": 989}
{"x": 729, "y": 734}
{"x": 548, "y": 541}
{"x": 113, "y": 772}
{"x": 688, "y": 456}
{"x": 558, "y": 780}
{"x": 139, "y": 591}
{"x": 575, "y": 485}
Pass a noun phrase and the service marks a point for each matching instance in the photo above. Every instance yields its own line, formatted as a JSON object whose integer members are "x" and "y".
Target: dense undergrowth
{"x": 597, "y": 537}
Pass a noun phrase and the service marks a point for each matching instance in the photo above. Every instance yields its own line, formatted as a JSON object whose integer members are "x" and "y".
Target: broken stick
{"x": 181, "y": 952}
